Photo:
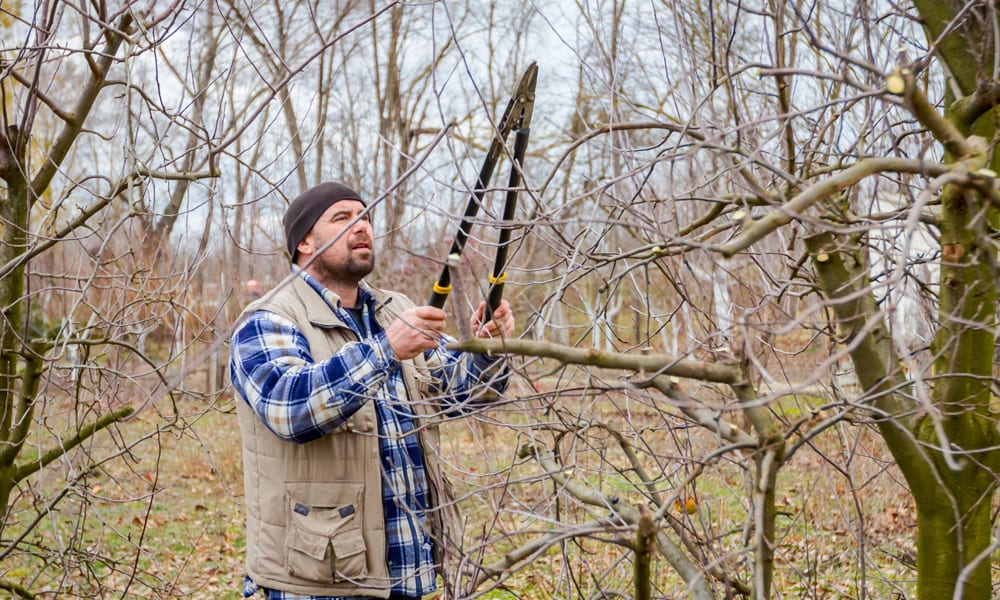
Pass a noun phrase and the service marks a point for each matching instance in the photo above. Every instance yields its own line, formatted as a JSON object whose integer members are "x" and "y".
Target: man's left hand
{"x": 502, "y": 324}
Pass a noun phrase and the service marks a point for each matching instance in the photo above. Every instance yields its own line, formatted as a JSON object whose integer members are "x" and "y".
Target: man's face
{"x": 352, "y": 256}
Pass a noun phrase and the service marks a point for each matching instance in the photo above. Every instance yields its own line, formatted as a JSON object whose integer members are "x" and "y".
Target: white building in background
{"x": 905, "y": 272}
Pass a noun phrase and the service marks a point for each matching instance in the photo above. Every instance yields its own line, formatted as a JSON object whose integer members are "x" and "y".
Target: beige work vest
{"x": 314, "y": 511}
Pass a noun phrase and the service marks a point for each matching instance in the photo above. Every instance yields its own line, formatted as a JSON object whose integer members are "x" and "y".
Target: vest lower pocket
{"x": 324, "y": 541}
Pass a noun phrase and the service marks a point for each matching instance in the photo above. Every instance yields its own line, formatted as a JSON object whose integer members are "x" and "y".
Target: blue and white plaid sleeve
{"x": 466, "y": 379}
{"x": 297, "y": 398}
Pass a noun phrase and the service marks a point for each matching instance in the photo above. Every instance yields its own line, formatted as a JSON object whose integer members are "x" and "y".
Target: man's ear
{"x": 305, "y": 247}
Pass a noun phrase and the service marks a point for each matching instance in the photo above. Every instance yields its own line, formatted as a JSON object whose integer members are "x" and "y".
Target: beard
{"x": 350, "y": 270}
{"x": 358, "y": 268}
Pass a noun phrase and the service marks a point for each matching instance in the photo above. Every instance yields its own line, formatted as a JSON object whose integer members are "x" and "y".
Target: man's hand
{"x": 415, "y": 330}
{"x": 502, "y": 324}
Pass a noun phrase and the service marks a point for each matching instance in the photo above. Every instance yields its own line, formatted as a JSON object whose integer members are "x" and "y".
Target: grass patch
{"x": 164, "y": 521}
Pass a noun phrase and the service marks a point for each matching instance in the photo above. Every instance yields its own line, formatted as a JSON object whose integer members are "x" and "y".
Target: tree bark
{"x": 952, "y": 489}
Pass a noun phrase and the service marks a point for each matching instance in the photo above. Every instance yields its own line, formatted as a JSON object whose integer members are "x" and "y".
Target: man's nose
{"x": 362, "y": 225}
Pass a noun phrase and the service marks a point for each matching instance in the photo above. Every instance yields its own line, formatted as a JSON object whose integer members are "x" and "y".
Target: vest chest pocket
{"x": 324, "y": 541}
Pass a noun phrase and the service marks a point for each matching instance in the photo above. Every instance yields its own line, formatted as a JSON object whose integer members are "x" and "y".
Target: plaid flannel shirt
{"x": 300, "y": 400}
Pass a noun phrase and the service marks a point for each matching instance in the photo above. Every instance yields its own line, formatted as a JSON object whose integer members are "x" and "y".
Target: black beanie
{"x": 309, "y": 206}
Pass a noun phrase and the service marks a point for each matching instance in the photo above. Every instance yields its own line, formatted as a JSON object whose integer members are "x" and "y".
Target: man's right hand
{"x": 415, "y": 330}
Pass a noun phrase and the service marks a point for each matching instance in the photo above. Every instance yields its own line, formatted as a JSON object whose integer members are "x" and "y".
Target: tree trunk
{"x": 942, "y": 453}
{"x": 953, "y": 526}
{"x": 15, "y": 209}
{"x": 950, "y": 557}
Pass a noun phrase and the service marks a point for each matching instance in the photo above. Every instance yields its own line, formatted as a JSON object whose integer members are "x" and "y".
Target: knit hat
{"x": 309, "y": 206}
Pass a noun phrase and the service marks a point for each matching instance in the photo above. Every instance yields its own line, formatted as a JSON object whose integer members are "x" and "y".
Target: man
{"x": 254, "y": 290}
{"x": 339, "y": 382}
